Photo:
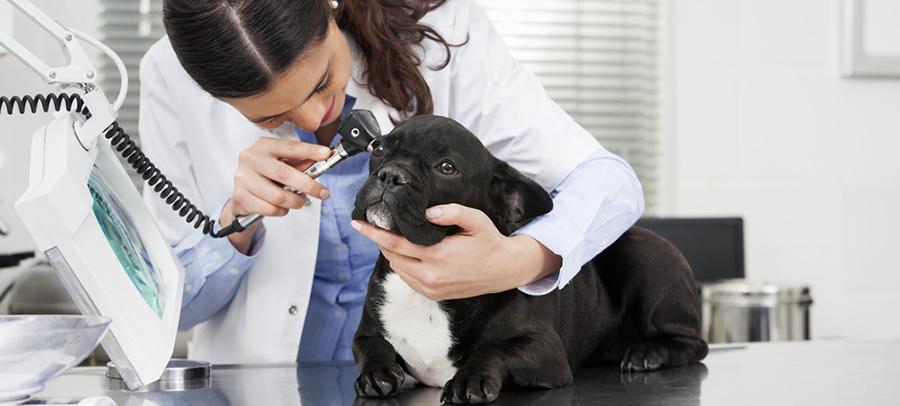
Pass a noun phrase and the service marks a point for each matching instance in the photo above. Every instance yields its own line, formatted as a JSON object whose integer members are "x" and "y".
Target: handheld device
{"x": 359, "y": 131}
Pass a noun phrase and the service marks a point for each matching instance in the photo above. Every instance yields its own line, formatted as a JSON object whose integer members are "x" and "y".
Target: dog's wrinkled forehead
{"x": 429, "y": 136}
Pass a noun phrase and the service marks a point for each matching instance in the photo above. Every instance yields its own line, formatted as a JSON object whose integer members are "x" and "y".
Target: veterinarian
{"x": 242, "y": 95}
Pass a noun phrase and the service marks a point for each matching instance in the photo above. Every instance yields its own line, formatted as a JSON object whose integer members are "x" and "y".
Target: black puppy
{"x": 634, "y": 304}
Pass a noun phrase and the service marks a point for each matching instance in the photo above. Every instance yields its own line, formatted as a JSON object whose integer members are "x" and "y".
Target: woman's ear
{"x": 515, "y": 199}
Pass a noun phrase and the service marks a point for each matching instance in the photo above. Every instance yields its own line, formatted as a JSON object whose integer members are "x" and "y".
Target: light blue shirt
{"x": 593, "y": 206}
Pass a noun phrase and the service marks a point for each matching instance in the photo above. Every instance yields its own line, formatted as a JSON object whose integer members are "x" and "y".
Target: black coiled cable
{"x": 43, "y": 102}
{"x": 126, "y": 147}
{"x": 162, "y": 186}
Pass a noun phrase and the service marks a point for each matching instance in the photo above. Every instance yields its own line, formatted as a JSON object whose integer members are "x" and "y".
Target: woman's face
{"x": 310, "y": 94}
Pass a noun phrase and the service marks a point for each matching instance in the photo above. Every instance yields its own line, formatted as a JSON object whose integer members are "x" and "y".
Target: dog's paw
{"x": 643, "y": 357}
{"x": 472, "y": 387}
{"x": 380, "y": 382}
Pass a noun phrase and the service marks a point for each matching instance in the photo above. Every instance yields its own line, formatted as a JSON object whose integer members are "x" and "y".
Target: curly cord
{"x": 154, "y": 178}
{"x": 126, "y": 147}
{"x": 43, "y": 102}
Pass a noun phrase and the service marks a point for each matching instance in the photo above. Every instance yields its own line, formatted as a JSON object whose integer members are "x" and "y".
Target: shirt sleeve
{"x": 214, "y": 270}
{"x": 592, "y": 207}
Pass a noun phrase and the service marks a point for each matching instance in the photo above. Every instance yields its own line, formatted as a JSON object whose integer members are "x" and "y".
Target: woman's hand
{"x": 263, "y": 170}
{"x": 475, "y": 261}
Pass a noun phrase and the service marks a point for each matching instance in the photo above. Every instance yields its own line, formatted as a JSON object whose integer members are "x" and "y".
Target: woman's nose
{"x": 308, "y": 116}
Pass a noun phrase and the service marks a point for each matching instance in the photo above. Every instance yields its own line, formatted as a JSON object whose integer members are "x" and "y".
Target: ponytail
{"x": 387, "y": 33}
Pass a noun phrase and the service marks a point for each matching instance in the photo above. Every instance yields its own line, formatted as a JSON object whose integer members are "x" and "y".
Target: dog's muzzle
{"x": 380, "y": 216}
{"x": 389, "y": 178}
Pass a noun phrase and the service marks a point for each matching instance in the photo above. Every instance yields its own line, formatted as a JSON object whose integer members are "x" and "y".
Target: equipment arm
{"x": 78, "y": 68}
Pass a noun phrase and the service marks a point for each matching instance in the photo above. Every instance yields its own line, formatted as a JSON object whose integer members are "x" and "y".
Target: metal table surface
{"x": 798, "y": 373}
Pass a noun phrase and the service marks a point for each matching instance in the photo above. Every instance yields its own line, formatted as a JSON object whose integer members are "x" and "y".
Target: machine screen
{"x": 125, "y": 241}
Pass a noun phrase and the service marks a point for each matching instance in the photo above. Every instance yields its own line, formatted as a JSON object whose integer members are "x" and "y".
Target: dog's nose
{"x": 393, "y": 176}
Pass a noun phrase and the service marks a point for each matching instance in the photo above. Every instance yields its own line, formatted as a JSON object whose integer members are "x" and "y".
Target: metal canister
{"x": 742, "y": 311}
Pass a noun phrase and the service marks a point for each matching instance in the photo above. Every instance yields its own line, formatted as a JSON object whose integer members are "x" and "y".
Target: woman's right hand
{"x": 263, "y": 170}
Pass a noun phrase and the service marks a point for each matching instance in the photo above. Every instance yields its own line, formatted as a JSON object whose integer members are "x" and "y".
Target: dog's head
{"x": 431, "y": 160}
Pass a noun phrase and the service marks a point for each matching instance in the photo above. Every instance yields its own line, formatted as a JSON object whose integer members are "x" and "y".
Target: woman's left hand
{"x": 475, "y": 261}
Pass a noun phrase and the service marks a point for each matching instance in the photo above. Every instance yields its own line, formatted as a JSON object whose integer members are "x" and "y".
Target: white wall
{"x": 762, "y": 125}
{"x": 16, "y": 79}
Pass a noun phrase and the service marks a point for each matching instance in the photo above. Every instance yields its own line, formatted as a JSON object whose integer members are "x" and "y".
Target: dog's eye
{"x": 447, "y": 168}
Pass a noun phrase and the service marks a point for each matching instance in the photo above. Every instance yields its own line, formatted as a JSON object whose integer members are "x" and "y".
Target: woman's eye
{"x": 447, "y": 168}
{"x": 324, "y": 86}
{"x": 270, "y": 123}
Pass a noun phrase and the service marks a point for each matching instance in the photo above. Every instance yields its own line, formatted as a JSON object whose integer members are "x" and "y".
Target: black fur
{"x": 634, "y": 304}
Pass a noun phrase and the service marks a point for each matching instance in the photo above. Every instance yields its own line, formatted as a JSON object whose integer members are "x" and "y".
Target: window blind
{"x": 129, "y": 27}
{"x": 598, "y": 60}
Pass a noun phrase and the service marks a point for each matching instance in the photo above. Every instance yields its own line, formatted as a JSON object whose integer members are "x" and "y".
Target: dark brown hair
{"x": 269, "y": 36}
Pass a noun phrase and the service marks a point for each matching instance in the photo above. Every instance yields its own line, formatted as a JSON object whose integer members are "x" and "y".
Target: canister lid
{"x": 740, "y": 292}
{"x": 176, "y": 370}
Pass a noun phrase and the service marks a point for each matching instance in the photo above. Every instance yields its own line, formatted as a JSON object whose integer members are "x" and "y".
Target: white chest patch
{"x": 419, "y": 330}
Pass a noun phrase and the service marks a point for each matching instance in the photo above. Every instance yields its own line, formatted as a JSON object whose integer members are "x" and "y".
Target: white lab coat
{"x": 195, "y": 139}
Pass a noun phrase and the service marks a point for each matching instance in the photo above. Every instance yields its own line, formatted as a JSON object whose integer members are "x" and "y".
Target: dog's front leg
{"x": 380, "y": 373}
{"x": 537, "y": 359}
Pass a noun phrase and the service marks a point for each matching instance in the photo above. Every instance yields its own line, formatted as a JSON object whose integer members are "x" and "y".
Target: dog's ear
{"x": 515, "y": 199}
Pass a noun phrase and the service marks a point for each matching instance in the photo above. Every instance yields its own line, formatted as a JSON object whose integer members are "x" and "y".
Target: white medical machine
{"x": 86, "y": 215}
{"x": 89, "y": 220}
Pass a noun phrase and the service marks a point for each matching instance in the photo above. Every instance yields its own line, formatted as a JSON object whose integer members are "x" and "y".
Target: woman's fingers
{"x": 275, "y": 194}
{"x": 400, "y": 259}
{"x": 269, "y": 166}
{"x": 428, "y": 282}
{"x": 287, "y": 175}
{"x": 291, "y": 149}
{"x": 245, "y": 202}
{"x": 389, "y": 241}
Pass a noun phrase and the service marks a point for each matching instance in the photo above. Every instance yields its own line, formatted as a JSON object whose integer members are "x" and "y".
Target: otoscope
{"x": 359, "y": 132}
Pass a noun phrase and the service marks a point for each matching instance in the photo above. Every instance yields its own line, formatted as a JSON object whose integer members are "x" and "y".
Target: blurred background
{"x": 774, "y": 122}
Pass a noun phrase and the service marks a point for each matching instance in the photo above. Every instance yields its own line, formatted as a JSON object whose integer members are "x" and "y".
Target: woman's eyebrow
{"x": 319, "y": 83}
